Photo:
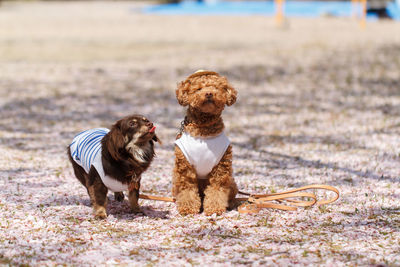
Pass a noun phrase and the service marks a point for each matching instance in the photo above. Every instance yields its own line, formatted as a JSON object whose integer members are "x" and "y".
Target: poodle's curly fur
{"x": 205, "y": 93}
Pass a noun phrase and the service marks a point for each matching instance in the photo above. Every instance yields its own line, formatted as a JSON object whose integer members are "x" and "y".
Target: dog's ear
{"x": 182, "y": 93}
{"x": 156, "y": 139}
{"x": 231, "y": 95}
{"x": 116, "y": 141}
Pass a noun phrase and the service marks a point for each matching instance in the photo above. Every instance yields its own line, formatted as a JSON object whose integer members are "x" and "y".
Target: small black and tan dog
{"x": 113, "y": 160}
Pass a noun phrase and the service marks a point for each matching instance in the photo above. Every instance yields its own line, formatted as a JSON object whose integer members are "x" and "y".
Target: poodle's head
{"x": 206, "y": 91}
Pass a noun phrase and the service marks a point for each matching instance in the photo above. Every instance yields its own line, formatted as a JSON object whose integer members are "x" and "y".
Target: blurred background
{"x": 90, "y": 62}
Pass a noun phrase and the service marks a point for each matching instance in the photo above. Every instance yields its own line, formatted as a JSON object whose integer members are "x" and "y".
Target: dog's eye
{"x": 198, "y": 89}
{"x": 132, "y": 123}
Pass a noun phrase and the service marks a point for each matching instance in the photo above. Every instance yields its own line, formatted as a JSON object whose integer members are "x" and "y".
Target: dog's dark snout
{"x": 149, "y": 124}
{"x": 209, "y": 95}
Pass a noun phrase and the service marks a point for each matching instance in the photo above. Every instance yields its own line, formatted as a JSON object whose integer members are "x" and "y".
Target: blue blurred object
{"x": 292, "y": 8}
{"x": 393, "y": 10}
{"x": 214, "y": 8}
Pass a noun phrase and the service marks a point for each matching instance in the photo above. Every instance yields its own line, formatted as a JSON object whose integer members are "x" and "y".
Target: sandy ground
{"x": 319, "y": 102}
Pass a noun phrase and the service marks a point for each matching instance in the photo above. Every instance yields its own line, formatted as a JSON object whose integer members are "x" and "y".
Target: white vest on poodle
{"x": 203, "y": 152}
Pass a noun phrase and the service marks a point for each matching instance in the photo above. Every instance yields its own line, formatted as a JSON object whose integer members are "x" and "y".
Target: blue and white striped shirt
{"x": 86, "y": 152}
{"x": 86, "y": 146}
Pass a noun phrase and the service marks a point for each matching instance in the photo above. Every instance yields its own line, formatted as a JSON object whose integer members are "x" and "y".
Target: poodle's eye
{"x": 132, "y": 123}
{"x": 198, "y": 89}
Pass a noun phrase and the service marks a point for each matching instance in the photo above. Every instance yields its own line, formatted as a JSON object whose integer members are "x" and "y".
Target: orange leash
{"x": 157, "y": 198}
{"x": 256, "y": 202}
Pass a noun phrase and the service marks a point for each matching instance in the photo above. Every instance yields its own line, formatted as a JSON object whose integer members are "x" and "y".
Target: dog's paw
{"x": 100, "y": 213}
{"x": 189, "y": 206}
{"x": 119, "y": 196}
{"x": 187, "y": 209}
{"x": 188, "y": 202}
{"x": 136, "y": 209}
{"x": 210, "y": 211}
{"x": 215, "y": 201}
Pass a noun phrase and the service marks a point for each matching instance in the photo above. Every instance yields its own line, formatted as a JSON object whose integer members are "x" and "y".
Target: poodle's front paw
{"x": 215, "y": 201}
{"x": 187, "y": 208}
{"x": 188, "y": 202}
{"x": 210, "y": 211}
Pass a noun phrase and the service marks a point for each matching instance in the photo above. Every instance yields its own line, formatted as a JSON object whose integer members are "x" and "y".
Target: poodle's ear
{"x": 231, "y": 95}
{"x": 182, "y": 93}
{"x": 116, "y": 141}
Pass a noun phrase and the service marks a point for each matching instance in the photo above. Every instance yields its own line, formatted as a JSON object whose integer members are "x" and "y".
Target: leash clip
{"x": 182, "y": 128}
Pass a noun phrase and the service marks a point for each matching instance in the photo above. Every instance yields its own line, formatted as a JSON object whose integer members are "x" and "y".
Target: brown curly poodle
{"x": 202, "y": 176}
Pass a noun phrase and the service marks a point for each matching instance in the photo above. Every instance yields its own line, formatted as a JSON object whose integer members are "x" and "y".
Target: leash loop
{"x": 256, "y": 201}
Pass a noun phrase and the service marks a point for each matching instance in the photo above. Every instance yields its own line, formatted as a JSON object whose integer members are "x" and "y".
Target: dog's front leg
{"x": 221, "y": 192}
{"x": 133, "y": 195}
{"x": 184, "y": 185}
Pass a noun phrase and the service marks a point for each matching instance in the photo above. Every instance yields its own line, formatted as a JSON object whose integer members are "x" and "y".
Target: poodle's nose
{"x": 149, "y": 124}
{"x": 209, "y": 95}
